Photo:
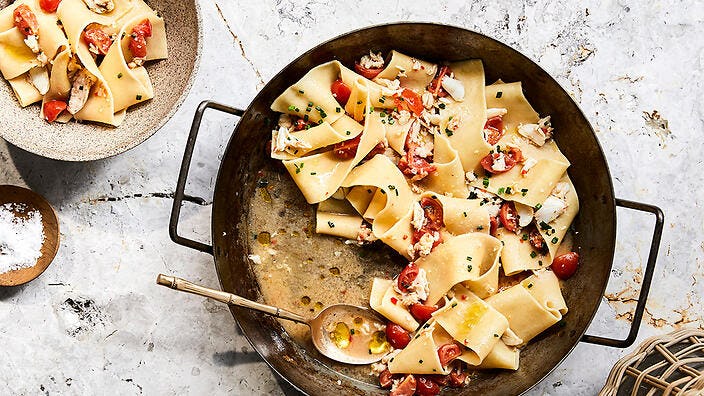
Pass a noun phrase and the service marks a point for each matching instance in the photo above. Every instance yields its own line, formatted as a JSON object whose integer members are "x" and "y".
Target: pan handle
{"x": 179, "y": 194}
{"x": 647, "y": 278}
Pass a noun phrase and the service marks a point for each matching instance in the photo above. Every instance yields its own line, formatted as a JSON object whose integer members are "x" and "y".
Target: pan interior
{"x": 235, "y": 223}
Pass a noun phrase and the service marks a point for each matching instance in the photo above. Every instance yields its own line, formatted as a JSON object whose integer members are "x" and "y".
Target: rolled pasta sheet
{"x": 413, "y": 73}
{"x": 376, "y": 205}
{"x": 554, "y": 232}
{"x": 420, "y": 356}
{"x": 15, "y": 57}
{"x": 501, "y": 356}
{"x": 360, "y": 197}
{"x": 59, "y": 84}
{"x": 399, "y": 236}
{"x": 341, "y": 225}
{"x": 311, "y": 96}
{"x": 321, "y": 136}
{"x": 386, "y": 301}
{"x": 449, "y": 176}
{"x": 318, "y": 176}
{"x": 527, "y": 314}
{"x": 463, "y": 122}
{"x": 396, "y": 133}
{"x": 25, "y": 92}
{"x": 460, "y": 259}
{"x": 462, "y": 216}
{"x": 518, "y": 254}
{"x": 473, "y": 323}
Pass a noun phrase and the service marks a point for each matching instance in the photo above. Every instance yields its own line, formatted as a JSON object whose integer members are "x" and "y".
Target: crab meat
{"x": 418, "y": 216}
{"x": 525, "y": 214}
{"x": 417, "y": 291}
{"x": 561, "y": 190}
{"x": 372, "y": 61}
{"x": 527, "y": 164}
{"x": 80, "y": 90}
{"x": 33, "y": 43}
{"x": 551, "y": 209}
{"x": 100, "y": 6}
{"x": 454, "y": 88}
{"x": 284, "y": 142}
{"x": 495, "y": 112}
{"x": 533, "y": 132}
{"x": 39, "y": 77}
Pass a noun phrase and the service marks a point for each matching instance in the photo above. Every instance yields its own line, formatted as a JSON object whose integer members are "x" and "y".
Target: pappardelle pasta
{"x": 461, "y": 178}
{"x": 82, "y": 59}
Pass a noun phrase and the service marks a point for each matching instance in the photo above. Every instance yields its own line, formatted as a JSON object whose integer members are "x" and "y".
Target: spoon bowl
{"x": 50, "y": 223}
{"x": 324, "y": 328}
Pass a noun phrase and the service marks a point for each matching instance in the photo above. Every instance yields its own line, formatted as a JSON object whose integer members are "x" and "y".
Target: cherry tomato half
{"x": 52, "y": 109}
{"x": 495, "y": 126}
{"x": 422, "y": 312}
{"x": 25, "y": 20}
{"x": 49, "y": 5}
{"x": 432, "y": 209}
{"x": 536, "y": 240}
{"x": 435, "y": 86}
{"x": 407, "y": 387}
{"x": 366, "y": 72}
{"x": 448, "y": 353}
{"x": 407, "y": 276}
{"x": 397, "y": 336}
{"x": 493, "y": 225}
{"x": 410, "y": 101}
{"x": 96, "y": 35}
{"x": 386, "y": 379}
{"x": 565, "y": 265}
{"x": 426, "y": 386}
{"x": 143, "y": 28}
{"x": 509, "y": 216}
{"x": 347, "y": 149}
{"x": 457, "y": 377}
{"x": 340, "y": 91}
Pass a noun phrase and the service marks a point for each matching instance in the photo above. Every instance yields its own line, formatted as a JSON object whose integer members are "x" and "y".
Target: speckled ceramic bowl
{"x": 172, "y": 79}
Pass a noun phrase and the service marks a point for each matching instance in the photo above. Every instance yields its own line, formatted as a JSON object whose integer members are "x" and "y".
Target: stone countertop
{"x": 95, "y": 322}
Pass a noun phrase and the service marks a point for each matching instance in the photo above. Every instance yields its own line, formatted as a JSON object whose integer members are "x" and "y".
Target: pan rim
{"x": 611, "y": 202}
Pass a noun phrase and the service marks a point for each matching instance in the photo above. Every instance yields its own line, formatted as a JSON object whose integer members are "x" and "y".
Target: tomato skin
{"x": 448, "y": 353}
{"x": 565, "y": 265}
{"x": 495, "y": 126}
{"x": 386, "y": 379}
{"x": 397, "y": 336}
{"x": 138, "y": 38}
{"x": 143, "y": 28}
{"x": 410, "y": 101}
{"x": 439, "y": 379}
{"x": 422, "y": 312}
{"x": 407, "y": 276}
{"x": 457, "y": 377}
{"x": 509, "y": 216}
{"x": 493, "y": 225}
{"x": 432, "y": 210}
{"x": 365, "y": 72}
{"x": 536, "y": 240}
{"x": 426, "y": 386}
{"x": 435, "y": 86}
{"x": 49, "y": 5}
{"x": 378, "y": 149}
{"x": 25, "y": 20}
{"x": 415, "y": 167}
{"x": 515, "y": 154}
{"x": 53, "y": 108}
{"x": 340, "y": 91}
{"x": 407, "y": 387}
{"x": 299, "y": 124}
{"x": 347, "y": 149}
{"x": 94, "y": 34}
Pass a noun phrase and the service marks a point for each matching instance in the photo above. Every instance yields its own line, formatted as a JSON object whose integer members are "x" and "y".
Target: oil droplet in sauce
{"x": 378, "y": 343}
{"x": 309, "y": 261}
{"x": 265, "y": 195}
{"x": 318, "y": 306}
{"x": 335, "y": 271}
{"x": 341, "y": 335}
{"x": 295, "y": 234}
{"x": 358, "y": 321}
{"x": 264, "y": 238}
{"x": 305, "y": 300}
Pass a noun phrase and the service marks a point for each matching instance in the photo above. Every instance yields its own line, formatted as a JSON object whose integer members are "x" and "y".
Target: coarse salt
{"x": 21, "y": 237}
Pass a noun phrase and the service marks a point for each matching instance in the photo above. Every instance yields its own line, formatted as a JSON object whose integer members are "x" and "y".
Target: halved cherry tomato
{"x": 509, "y": 216}
{"x": 448, "y": 353}
{"x": 386, "y": 379}
{"x": 440, "y": 379}
{"x": 435, "y": 86}
{"x": 426, "y": 386}
{"x": 432, "y": 209}
{"x": 565, "y": 265}
{"x": 493, "y": 225}
{"x": 143, "y": 28}
{"x": 515, "y": 154}
{"x": 340, "y": 91}
{"x": 96, "y": 35}
{"x": 414, "y": 166}
{"x": 536, "y": 240}
{"x": 407, "y": 276}
{"x": 25, "y": 20}
{"x": 511, "y": 158}
{"x": 378, "y": 149}
{"x": 407, "y": 387}
{"x": 409, "y": 100}
{"x": 49, "y": 5}
{"x": 366, "y": 72}
{"x": 299, "y": 125}
{"x": 347, "y": 149}
{"x": 422, "y": 312}
{"x": 457, "y": 377}
{"x": 52, "y": 109}
{"x": 495, "y": 126}
{"x": 397, "y": 336}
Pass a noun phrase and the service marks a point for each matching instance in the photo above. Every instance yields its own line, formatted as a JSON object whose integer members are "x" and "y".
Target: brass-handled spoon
{"x": 324, "y": 328}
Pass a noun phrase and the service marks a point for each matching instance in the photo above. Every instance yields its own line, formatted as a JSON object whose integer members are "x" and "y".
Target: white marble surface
{"x": 95, "y": 323}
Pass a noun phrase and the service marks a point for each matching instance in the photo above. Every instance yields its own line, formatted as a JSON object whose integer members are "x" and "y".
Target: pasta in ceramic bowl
{"x": 80, "y": 66}
{"x": 461, "y": 179}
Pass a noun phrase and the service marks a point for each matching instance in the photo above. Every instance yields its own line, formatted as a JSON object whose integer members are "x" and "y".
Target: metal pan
{"x": 595, "y": 225}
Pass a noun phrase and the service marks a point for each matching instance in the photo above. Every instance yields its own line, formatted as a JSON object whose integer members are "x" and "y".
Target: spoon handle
{"x": 227, "y": 298}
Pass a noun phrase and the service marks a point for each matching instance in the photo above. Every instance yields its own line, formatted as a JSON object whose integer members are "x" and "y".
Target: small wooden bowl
{"x": 34, "y": 201}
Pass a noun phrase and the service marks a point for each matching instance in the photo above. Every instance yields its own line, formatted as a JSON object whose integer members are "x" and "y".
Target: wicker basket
{"x": 672, "y": 364}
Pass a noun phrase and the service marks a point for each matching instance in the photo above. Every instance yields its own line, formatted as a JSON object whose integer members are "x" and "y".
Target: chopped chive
{"x": 533, "y": 254}
{"x": 453, "y": 305}
{"x": 496, "y": 335}
{"x": 331, "y": 224}
{"x": 480, "y": 227}
{"x": 119, "y": 75}
{"x": 501, "y": 190}
{"x": 291, "y": 108}
{"x": 310, "y": 104}
{"x": 301, "y": 91}
{"x": 420, "y": 361}
{"x": 139, "y": 97}
{"x": 337, "y": 109}
{"x": 313, "y": 173}
{"x": 508, "y": 190}
{"x": 530, "y": 285}
{"x": 348, "y": 133}
{"x": 538, "y": 206}
{"x": 544, "y": 226}
{"x": 448, "y": 132}
{"x": 555, "y": 240}
{"x": 359, "y": 102}
{"x": 485, "y": 182}
{"x": 499, "y": 94}
{"x": 305, "y": 117}
{"x": 351, "y": 331}
{"x": 472, "y": 195}
{"x": 525, "y": 237}
{"x": 524, "y": 191}
{"x": 469, "y": 258}
{"x": 464, "y": 214}
{"x": 469, "y": 268}
{"x": 441, "y": 105}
